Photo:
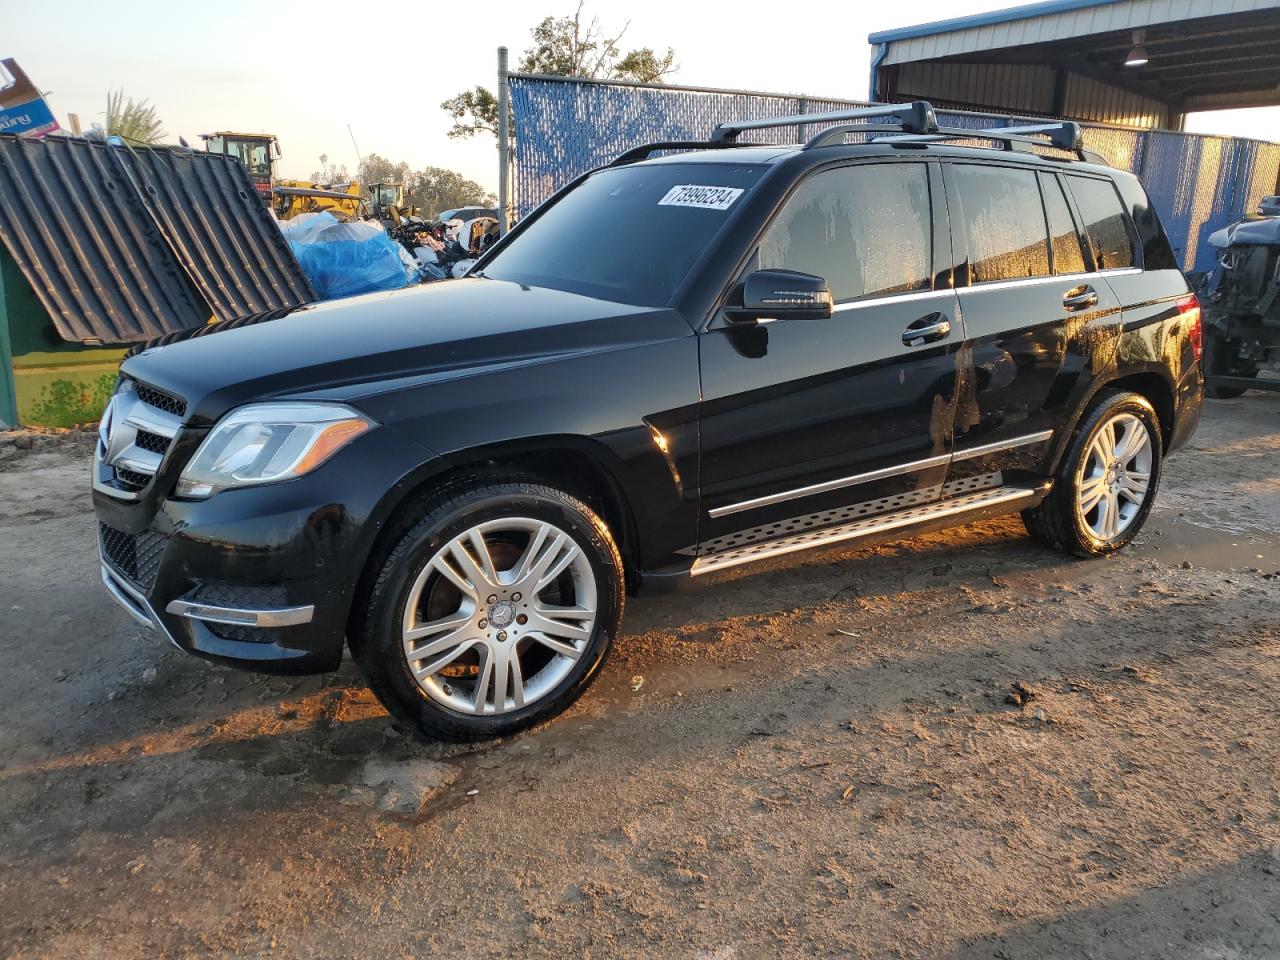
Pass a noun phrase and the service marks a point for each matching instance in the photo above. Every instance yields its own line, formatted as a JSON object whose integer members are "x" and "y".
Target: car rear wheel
{"x": 494, "y": 611}
{"x": 1107, "y": 481}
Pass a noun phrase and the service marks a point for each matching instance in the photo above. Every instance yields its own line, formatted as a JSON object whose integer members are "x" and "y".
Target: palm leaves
{"x": 133, "y": 121}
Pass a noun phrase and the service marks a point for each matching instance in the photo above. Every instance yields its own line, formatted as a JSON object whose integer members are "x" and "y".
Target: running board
{"x": 982, "y": 504}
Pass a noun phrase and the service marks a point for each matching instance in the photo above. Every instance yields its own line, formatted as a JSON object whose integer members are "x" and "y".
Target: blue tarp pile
{"x": 344, "y": 259}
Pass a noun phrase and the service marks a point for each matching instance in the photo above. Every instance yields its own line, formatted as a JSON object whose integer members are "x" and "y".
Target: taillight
{"x": 1189, "y": 307}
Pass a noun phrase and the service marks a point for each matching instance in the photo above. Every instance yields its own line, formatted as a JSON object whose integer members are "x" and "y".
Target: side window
{"x": 1004, "y": 222}
{"x": 867, "y": 230}
{"x": 1104, "y": 222}
{"x": 1067, "y": 255}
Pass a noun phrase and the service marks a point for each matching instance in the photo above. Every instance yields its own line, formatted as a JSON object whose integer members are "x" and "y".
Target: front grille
{"x": 229, "y": 631}
{"x": 135, "y": 556}
{"x": 152, "y": 441}
{"x": 160, "y": 400}
{"x": 141, "y": 423}
{"x": 131, "y": 480}
{"x": 239, "y": 596}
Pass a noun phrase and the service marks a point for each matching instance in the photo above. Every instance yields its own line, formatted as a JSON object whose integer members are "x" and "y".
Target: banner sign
{"x": 22, "y": 109}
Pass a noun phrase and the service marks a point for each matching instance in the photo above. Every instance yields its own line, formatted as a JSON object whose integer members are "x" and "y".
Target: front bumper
{"x": 260, "y": 577}
{"x": 281, "y": 638}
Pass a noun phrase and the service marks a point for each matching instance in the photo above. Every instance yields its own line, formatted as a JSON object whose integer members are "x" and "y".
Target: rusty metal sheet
{"x": 124, "y": 244}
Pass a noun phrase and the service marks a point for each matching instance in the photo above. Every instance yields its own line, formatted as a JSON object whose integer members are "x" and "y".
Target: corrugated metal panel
{"x": 125, "y": 245}
{"x": 221, "y": 232}
{"x": 1021, "y": 88}
{"x": 1024, "y": 88}
{"x": 1089, "y": 99}
{"x": 956, "y": 37}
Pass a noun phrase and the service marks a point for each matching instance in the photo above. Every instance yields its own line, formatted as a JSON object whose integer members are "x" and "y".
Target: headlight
{"x": 267, "y": 442}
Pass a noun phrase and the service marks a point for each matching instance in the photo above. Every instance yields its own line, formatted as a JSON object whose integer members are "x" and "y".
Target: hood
{"x": 1265, "y": 232}
{"x": 345, "y": 349}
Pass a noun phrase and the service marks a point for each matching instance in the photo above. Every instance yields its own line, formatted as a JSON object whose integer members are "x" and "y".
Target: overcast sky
{"x": 304, "y": 71}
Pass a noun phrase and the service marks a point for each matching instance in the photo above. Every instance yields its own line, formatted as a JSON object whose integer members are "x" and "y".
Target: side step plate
{"x": 1008, "y": 499}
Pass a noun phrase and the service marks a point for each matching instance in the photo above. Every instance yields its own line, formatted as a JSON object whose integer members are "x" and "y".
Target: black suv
{"x": 681, "y": 365}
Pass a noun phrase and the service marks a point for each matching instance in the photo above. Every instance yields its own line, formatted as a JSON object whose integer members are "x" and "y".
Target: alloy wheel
{"x": 498, "y": 617}
{"x": 1114, "y": 479}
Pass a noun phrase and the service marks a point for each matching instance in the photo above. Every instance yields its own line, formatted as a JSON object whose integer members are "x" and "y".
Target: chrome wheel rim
{"x": 1114, "y": 479}
{"x": 499, "y": 616}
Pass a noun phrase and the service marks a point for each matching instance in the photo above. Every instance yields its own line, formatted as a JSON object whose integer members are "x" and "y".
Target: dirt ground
{"x": 959, "y": 746}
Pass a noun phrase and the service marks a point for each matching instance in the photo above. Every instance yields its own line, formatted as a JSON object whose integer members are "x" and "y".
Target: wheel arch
{"x": 577, "y": 465}
{"x": 1153, "y": 383}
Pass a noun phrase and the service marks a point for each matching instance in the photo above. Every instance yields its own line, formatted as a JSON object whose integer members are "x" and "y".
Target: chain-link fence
{"x": 564, "y": 127}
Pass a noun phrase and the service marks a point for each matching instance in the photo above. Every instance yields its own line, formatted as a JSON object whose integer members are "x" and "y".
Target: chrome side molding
{"x": 1002, "y": 445}
{"x": 133, "y": 604}
{"x": 237, "y": 617}
{"x": 852, "y": 481}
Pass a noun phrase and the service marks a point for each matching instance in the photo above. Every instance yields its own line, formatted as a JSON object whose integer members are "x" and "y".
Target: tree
{"x": 375, "y": 169}
{"x": 563, "y": 47}
{"x": 473, "y": 111}
{"x": 133, "y": 121}
{"x": 431, "y": 189}
{"x": 330, "y": 173}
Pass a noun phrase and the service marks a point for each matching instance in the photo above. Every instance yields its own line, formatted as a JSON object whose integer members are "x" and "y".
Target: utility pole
{"x": 504, "y": 146}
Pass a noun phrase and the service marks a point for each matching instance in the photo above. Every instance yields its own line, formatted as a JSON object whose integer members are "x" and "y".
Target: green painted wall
{"x": 57, "y": 384}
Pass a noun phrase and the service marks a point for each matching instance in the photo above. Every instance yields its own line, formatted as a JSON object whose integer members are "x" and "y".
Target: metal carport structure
{"x": 1067, "y": 58}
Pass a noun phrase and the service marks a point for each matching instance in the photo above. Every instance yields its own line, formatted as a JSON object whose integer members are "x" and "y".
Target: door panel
{"x": 803, "y": 417}
{"x": 1028, "y": 297}
{"x": 1022, "y": 375}
{"x": 793, "y": 412}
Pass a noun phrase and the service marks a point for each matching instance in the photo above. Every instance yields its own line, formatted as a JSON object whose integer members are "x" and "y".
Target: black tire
{"x": 1056, "y": 521}
{"x": 1221, "y": 360}
{"x": 376, "y": 635}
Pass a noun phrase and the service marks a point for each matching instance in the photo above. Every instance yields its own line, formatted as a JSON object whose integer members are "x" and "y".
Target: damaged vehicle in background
{"x": 796, "y": 348}
{"x": 1242, "y": 304}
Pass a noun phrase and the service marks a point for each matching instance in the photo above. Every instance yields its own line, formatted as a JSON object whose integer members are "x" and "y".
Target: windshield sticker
{"x": 708, "y": 198}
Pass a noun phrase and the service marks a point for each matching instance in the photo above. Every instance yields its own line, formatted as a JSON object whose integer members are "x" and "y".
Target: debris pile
{"x": 344, "y": 259}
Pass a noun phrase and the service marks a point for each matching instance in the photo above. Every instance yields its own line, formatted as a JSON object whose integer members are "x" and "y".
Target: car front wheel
{"x": 495, "y": 610}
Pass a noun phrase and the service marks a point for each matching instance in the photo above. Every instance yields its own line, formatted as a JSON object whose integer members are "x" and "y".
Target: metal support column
{"x": 8, "y": 389}
{"x": 504, "y": 144}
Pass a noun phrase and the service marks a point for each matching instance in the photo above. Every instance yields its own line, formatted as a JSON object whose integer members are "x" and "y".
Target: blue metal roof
{"x": 1024, "y": 12}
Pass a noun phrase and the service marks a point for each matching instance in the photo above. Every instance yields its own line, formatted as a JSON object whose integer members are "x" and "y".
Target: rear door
{"x": 1026, "y": 290}
{"x": 801, "y": 419}
{"x": 1129, "y": 247}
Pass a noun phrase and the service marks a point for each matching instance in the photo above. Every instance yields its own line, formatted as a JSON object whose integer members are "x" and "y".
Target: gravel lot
{"x": 958, "y": 746}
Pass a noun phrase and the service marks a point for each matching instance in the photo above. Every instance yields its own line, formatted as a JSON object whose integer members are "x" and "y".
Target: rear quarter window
{"x": 1105, "y": 223}
{"x": 1157, "y": 253}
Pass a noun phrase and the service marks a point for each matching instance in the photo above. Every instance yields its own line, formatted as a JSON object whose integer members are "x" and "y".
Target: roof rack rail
{"x": 916, "y": 118}
{"x": 644, "y": 151}
{"x": 1062, "y": 134}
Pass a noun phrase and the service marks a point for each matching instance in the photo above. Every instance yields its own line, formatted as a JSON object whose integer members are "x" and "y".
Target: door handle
{"x": 1080, "y": 298}
{"x": 929, "y": 328}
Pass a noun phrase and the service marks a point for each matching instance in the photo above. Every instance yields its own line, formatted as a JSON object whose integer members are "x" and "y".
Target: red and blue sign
{"x": 23, "y": 111}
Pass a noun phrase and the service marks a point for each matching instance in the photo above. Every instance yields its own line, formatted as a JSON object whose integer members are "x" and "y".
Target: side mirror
{"x": 769, "y": 295}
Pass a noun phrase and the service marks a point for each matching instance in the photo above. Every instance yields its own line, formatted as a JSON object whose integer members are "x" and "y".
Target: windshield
{"x": 630, "y": 234}
{"x": 252, "y": 154}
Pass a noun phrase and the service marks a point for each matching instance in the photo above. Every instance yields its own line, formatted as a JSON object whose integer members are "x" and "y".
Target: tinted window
{"x": 1104, "y": 222}
{"x": 627, "y": 234}
{"x": 1004, "y": 221}
{"x": 1156, "y": 252}
{"x": 1067, "y": 256}
{"x": 866, "y": 230}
